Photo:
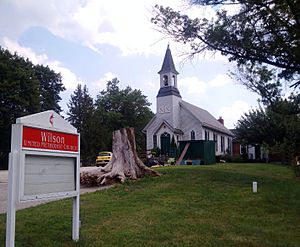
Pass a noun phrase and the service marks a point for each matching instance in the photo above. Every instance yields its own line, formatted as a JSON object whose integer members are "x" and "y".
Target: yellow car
{"x": 103, "y": 158}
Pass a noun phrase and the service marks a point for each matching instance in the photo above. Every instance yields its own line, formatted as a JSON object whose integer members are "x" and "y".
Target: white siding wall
{"x": 226, "y": 146}
{"x": 168, "y": 109}
{"x": 149, "y": 139}
{"x": 189, "y": 123}
{"x": 176, "y": 110}
{"x": 150, "y": 133}
{"x": 153, "y": 130}
{"x": 183, "y": 120}
{"x": 219, "y": 142}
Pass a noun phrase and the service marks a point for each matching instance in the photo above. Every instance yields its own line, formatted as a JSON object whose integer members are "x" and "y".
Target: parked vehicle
{"x": 103, "y": 158}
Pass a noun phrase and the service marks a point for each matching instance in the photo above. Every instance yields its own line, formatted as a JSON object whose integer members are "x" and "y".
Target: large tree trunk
{"x": 125, "y": 162}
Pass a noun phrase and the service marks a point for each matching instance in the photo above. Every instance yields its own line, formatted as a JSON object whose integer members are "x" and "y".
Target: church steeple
{"x": 168, "y": 76}
{"x": 168, "y": 64}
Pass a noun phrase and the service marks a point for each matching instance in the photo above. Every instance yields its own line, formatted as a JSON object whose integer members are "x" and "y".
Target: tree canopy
{"x": 113, "y": 109}
{"x": 81, "y": 116}
{"x": 25, "y": 89}
{"x": 280, "y": 133}
{"x": 121, "y": 108}
{"x": 50, "y": 85}
{"x": 262, "y": 37}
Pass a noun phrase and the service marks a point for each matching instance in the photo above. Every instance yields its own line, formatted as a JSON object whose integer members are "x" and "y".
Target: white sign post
{"x": 44, "y": 163}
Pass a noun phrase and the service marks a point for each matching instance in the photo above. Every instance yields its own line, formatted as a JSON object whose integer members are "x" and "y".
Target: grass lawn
{"x": 187, "y": 206}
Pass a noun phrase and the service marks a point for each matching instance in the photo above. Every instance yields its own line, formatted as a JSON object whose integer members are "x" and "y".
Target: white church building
{"x": 178, "y": 120}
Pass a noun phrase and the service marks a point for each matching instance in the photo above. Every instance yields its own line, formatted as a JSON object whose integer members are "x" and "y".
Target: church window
{"x": 222, "y": 143}
{"x": 165, "y": 80}
{"x": 165, "y": 134}
{"x": 229, "y": 145}
{"x": 174, "y": 81}
{"x": 154, "y": 141}
{"x": 216, "y": 141}
{"x": 193, "y": 135}
{"x": 206, "y": 135}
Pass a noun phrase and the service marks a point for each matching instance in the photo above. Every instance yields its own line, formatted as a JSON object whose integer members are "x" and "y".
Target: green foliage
{"x": 279, "y": 131}
{"x": 19, "y": 88}
{"x": 114, "y": 109}
{"x": 24, "y": 89}
{"x": 156, "y": 151}
{"x": 81, "y": 116}
{"x": 50, "y": 87}
{"x": 262, "y": 37}
{"x": 238, "y": 159}
{"x": 119, "y": 108}
{"x": 188, "y": 206}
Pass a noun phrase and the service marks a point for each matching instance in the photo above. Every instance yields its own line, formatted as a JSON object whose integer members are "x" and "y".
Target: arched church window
{"x": 165, "y": 134}
{"x": 174, "y": 80}
{"x": 193, "y": 135}
{"x": 206, "y": 135}
{"x": 154, "y": 141}
{"x": 165, "y": 80}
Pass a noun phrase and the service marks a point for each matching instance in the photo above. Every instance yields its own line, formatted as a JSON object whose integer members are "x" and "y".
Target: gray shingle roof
{"x": 206, "y": 119}
{"x": 168, "y": 64}
{"x": 170, "y": 90}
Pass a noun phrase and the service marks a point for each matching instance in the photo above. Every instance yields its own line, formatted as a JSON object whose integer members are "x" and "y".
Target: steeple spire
{"x": 168, "y": 64}
{"x": 168, "y": 77}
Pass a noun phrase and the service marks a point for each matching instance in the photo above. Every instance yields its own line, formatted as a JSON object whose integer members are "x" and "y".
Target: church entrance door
{"x": 165, "y": 143}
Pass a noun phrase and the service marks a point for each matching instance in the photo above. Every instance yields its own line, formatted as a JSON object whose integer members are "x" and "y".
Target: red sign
{"x": 47, "y": 139}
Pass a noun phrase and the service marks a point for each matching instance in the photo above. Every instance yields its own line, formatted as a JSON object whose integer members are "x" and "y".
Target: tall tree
{"x": 81, "y": 116}
{"x": 50, "y": 87}
{"x": 23, "y": 91}
{"x": 19, "y": 96}
{"x": 122, "y": 108}
{"x": 263, "y": 37}
{"x": 279, "y": 132}
{"x": 19, "y": 88}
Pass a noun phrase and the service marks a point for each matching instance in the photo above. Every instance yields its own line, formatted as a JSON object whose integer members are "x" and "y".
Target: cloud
{"x": 231, "y": 9}
{"x": 231, "y": 114}
{"x": 151, "y": 84}
{"x": 220, "y": 80}
{"x": 24, "y": 51}
{"x": 192, "y": 85}
{"x": 17, "y": 16}
{"x": 101, "y": 83}
{"x": 126, "y": 26}
{"x": 123, "y": 24}
{"x": 69, "y": 79}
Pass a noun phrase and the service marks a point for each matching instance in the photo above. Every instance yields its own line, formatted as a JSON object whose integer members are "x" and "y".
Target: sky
{"x": 93, "y": 41}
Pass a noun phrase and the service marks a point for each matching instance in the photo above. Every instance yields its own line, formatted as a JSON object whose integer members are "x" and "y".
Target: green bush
{"x": 238, "y": 159}
{"x": 155, "y": 151}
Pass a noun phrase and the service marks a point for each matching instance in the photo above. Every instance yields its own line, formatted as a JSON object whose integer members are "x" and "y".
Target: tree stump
{"x": 125, "y": 163}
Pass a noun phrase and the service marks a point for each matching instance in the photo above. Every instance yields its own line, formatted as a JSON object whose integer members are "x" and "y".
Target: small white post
{"x": 11, "y": 202}
{"x": 254, "y": 185}
{"x": 76, "y": 204}
{"x": 75, "y": 221}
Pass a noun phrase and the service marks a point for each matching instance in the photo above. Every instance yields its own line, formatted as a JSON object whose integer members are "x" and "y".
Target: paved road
{"x": 4, "y": 185}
